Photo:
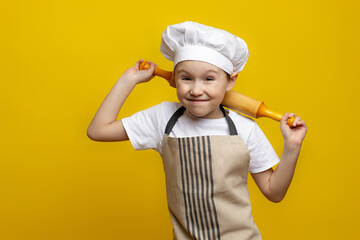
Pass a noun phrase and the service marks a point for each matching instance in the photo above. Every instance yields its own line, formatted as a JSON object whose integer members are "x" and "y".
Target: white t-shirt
{"x": 145, "y": 130}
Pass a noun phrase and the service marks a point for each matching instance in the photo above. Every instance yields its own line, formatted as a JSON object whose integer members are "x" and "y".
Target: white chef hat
{"x": 194, "y": 41}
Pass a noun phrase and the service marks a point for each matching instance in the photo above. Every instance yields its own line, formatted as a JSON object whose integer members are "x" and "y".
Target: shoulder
{"x": 169, "y": 106}
{"x": 160, "y": 114}
{"x": 241, "y": 120}
{"x": 145, "y": 128}
{"x": 244, "y": 125}
{"x": 165, "y": 109}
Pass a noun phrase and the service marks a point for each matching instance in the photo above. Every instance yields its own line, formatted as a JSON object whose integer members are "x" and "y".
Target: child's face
{"x": 201, "y": 87}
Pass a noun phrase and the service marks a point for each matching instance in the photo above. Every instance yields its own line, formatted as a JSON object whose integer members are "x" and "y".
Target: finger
{"x": 292, "y": 115}
{"x": 284, "y": 119}
{"x": 300, "y": 123}
{"x": 152, "y": 67}
{"x": 137, "y": 64}
{"x": 296, "y": 120}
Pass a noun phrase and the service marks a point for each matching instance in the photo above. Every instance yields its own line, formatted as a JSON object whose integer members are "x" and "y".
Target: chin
{"x": 195, "y": 113}
{"x": 204, "y": 114}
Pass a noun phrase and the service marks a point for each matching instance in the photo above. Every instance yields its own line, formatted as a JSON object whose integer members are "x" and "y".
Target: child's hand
{"x": 140, "y": 76}
{"x": 295, "y": 134}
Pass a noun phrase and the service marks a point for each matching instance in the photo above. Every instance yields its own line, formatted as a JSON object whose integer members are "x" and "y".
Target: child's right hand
{"x": 140, "y": 76}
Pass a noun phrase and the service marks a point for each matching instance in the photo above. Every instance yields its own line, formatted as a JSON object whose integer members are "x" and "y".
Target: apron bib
{"x": 206, "y": 185}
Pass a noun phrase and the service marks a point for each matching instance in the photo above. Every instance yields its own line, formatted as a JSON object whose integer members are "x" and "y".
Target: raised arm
{"x": 104, "y": 126}
{"x": 274, "y": 184}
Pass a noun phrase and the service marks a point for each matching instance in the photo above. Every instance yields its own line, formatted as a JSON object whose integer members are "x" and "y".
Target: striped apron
{"x": 206, "y": 185}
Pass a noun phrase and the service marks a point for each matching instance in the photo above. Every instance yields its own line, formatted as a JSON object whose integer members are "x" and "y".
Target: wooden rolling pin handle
{"x": 263, "y": 111}
{"x": 159, "y": 72}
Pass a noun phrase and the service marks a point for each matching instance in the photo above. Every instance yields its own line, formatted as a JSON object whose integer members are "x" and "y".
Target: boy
{"x": 207, "y": 151}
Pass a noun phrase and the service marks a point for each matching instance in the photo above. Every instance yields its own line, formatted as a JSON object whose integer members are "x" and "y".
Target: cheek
{"x": 216, "y": 90}
{"x": 180, "y": 92}
{"x": 181, "y": 88}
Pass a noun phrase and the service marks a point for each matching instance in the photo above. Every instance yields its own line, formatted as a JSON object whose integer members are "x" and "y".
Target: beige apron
{"x": 206, "y": 185}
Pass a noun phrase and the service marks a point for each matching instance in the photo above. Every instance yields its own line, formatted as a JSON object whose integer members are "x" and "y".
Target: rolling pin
{"x": 233, "y": 100}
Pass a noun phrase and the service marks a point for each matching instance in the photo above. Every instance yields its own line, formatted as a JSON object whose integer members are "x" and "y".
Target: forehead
{"x": 196, "y": 66}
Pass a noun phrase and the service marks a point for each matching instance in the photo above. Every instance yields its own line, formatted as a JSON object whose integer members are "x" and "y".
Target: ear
{"x": 232, "y": 81}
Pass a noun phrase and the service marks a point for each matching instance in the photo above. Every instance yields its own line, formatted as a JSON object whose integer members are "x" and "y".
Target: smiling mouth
{"x": 197, "y": 100}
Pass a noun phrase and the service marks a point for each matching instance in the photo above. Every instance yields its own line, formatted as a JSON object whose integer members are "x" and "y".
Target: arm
{"x": 104, "y": 126}
{"x": 274, "y": 184}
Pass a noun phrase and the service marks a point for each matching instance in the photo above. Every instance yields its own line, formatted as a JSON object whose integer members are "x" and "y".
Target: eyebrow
{"x": 206, "y": 71}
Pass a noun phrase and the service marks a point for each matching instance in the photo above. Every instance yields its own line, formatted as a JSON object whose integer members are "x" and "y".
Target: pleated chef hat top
{"x": 194, "y": 41}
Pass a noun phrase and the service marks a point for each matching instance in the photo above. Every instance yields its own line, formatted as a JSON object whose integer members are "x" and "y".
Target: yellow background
{"x": 59, "y": 59}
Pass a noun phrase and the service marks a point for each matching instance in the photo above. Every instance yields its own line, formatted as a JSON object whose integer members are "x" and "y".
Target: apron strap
{"x": 174, "y": 119}
{"x": 230, "y": 122}
{"x": 182, "y": 109}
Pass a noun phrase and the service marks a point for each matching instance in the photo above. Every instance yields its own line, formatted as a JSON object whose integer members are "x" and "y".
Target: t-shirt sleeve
{"x": 262, "y": 154}
{"x": 144, "y": 128}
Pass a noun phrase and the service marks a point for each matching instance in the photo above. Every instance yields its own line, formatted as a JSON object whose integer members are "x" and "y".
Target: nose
{"x": 196, "y": 89}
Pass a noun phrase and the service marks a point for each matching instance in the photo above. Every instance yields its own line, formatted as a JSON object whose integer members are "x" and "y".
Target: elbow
{"x": 91, "y": 134}
{"x": 275, "y": 195}
{"x": 276, "y": 199}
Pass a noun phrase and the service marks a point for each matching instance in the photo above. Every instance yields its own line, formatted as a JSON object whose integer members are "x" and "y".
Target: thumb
{"x": 283, "y": 121}
{"x": 152, "y": 68}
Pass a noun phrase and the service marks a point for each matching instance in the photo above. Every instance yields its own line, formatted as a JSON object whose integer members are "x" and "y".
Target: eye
{"x": 185, "y": 78}
{"x": 209, "y": 79}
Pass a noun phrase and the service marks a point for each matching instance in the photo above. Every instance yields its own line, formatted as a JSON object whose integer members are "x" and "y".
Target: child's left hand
{"x": 295, "y": 134}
